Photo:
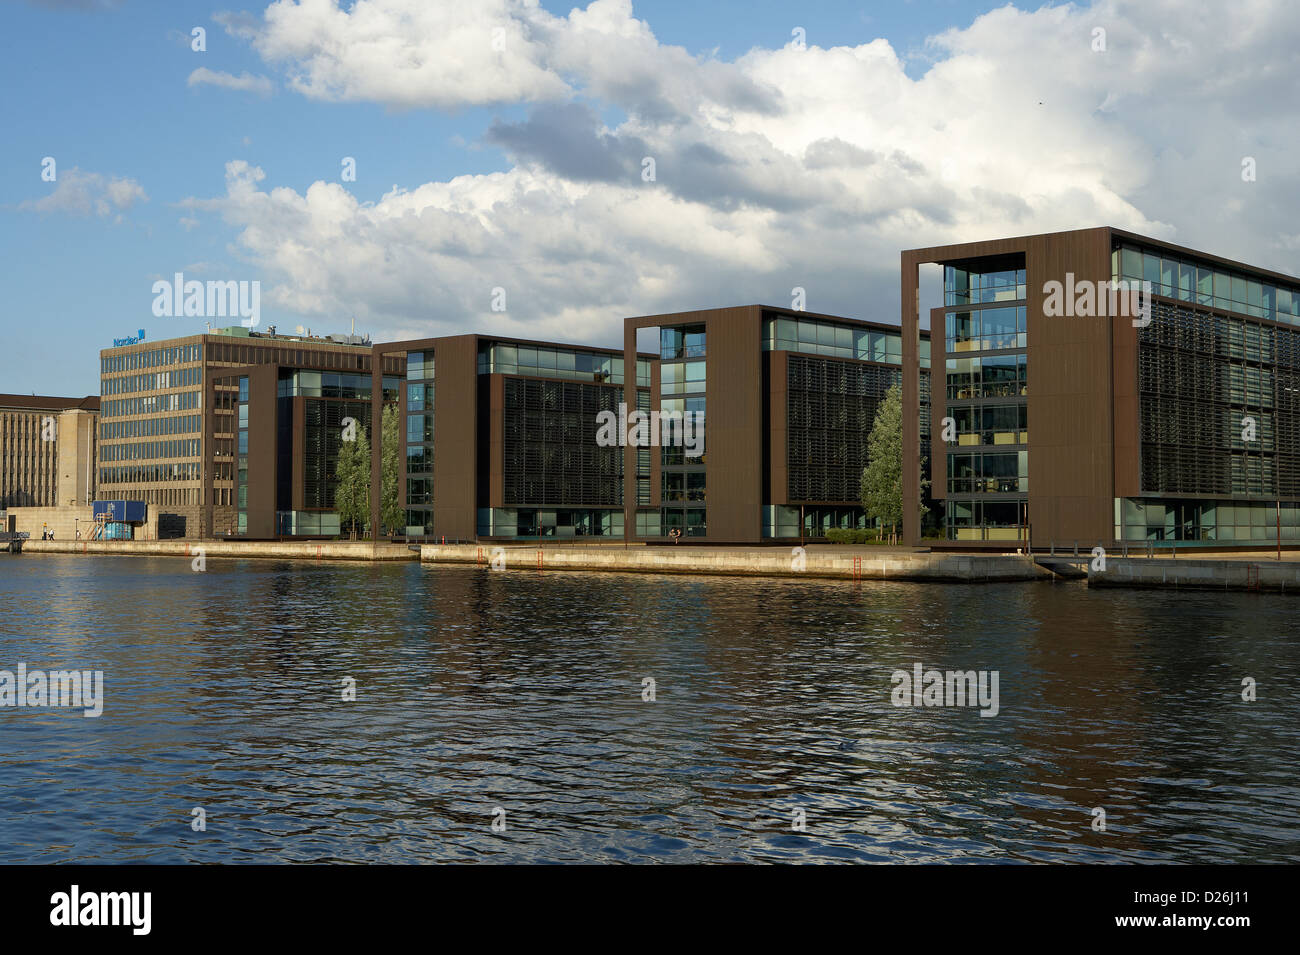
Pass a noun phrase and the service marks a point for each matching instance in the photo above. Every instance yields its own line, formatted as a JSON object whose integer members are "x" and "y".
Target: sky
{"x": 501, "y": 154}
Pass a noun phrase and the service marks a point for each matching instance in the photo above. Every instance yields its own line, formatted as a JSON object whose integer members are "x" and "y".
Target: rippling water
{"x": 522, "y": 691}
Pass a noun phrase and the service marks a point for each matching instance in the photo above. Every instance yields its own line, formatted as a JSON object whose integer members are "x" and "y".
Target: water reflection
{"x": 522, "y": 690}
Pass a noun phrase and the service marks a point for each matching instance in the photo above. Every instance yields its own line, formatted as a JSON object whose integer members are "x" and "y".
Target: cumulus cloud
{"x": 82, "y": 193}
{"x": 809, "y": 167}
{"x": 245, "y": 81}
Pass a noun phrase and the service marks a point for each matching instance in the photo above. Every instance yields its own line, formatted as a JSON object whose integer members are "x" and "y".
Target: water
{"x": 522, "y": 691}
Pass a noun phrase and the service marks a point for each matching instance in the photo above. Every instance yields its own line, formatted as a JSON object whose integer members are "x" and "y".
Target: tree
{"x": 352, "y": 490}
{"x": 391, "y": 513}
{"x": 882, "y": 478}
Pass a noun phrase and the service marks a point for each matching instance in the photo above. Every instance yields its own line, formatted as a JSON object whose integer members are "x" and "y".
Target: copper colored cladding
{"x": 468, "y": 452}
{"x": 1083, "y": 385}
{"x": 1071, "y": 461}
{"x": 733, "y": 439}
{"x": 778, "y": 428}
{"x": 263, "y": 381}
{"x": 1125, "y": 409}
{"x": 496, "y": 496}
{"x": 455, "y": 431}
{"x": 746, "y": 436}
{"x": 263, "y": 420}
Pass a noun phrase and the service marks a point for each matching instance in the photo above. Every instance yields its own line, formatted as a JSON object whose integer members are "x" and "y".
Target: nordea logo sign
{"x": 129, "y": 340}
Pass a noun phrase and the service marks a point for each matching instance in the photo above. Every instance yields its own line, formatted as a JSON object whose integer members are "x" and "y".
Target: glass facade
{"x": 783, "y": 521}
{"x": 986, "y": 385}
{"x": 984, "y": 329}
{"x": 541, "y": 362}
{"x": 419, "y": 443}
{"x": 1204, "y": 283}
{"x": 683, "y": 480}
{"x": 811, "y": 336}
{"x": 327, "y": 384}
{"x": 1229, "y": 522}
{"x": 540, "y": 522}
{"x": 977, "y": 287}
{"x": 307, "y": 524}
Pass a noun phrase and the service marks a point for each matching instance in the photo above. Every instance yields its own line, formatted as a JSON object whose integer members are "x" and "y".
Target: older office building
{"x": 1180, "y": 422}
{"x": 177, "y": 432}
{"x": 47, "y": 451}
{"x": 790, "y": 398}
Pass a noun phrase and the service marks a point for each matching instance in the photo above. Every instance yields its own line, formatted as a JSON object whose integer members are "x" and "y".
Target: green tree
{"x": 391, "y": 513}
{"x": 882, "y": 478}
{"x": 352, "y": 489}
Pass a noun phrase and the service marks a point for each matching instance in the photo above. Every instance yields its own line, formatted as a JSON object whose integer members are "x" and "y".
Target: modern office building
{"x": 1076, "y": 416}
{"x": 176, "y": 429}
{"x": 790, "y": 398}
{"x": 502, "y": 436}
{"x": 1069, "y": 410}
{"x": 516, "y": 453}
{"x": 47, "y": 450}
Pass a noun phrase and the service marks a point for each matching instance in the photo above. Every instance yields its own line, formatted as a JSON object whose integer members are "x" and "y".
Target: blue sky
{"x": 103, "y": 89}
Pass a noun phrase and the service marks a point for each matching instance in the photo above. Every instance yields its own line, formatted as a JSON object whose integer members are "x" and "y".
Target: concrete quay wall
{"x": 294, "y": 550}
{"x": 837, "y": 562}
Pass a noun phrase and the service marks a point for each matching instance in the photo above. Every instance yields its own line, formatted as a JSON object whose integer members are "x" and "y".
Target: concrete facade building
{"x": 47, "y": 450}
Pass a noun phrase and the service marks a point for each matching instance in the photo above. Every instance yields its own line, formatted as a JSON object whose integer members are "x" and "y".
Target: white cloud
{"x": 410, "y": 53}
{"x": 82, "y": 193}
{"x": 245, "y": 82}
{"x": 786, "y": 167}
